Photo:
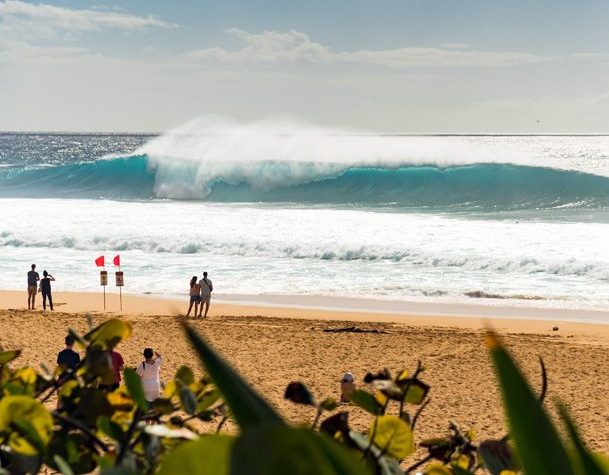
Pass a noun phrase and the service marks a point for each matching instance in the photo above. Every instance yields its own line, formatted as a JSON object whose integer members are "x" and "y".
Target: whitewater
{"x": 278, "y": 207}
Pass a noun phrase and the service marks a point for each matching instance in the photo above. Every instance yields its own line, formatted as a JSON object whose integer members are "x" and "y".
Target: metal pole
{"x": 104, "y": 297}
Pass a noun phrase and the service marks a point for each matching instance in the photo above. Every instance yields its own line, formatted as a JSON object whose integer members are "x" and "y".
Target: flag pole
{"x": 104, "y": 293}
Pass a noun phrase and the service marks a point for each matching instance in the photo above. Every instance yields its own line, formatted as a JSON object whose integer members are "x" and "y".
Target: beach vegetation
{"x": 184, "y": 431}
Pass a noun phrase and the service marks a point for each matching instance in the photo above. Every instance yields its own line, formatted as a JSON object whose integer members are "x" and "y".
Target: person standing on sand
{"x": 206, "y": 290}
{"x": 118, "y": 364}
{"x": 195, "y": 298}
{"x": 45, "y": 288}
{"x": 32, "y": 285}
{"x": 148, "y": 371}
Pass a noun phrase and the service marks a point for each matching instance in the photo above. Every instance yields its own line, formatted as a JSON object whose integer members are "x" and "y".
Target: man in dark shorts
{"x": 45, "y": 288}
{"x": 32, "y": 287}
{"x": 68, "y": 359}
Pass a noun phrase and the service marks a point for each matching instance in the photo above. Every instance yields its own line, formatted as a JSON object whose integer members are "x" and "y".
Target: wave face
{"x": 480, "y": 186}
{"x": 219, "y": 160}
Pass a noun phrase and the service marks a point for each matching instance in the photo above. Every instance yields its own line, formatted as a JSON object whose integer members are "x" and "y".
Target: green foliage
{"x": 120, "y": 433}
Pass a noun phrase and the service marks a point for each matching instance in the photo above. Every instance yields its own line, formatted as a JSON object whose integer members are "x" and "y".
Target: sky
{"x": 405, "y": 66}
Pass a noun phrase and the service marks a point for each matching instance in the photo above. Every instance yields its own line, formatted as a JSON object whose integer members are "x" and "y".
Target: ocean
{"x": 282, "y": 208}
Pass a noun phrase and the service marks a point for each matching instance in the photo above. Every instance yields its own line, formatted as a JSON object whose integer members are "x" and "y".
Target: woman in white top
{"x": 148, "y": 371}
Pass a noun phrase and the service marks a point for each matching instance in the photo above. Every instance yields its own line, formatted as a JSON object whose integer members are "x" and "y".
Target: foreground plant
{"x": 111, "y": 432}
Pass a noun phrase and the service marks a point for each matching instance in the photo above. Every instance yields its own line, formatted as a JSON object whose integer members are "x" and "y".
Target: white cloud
{"x": 43, "y": 20}
{"x": 294, "y": 46}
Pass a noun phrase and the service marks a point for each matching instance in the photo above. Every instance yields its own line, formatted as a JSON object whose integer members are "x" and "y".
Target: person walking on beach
{"x": 148, "y": 371}
{"x": 32, "y": 285}
{"x": 45, "y": 288}
{"x": 68, "y": 359}
{"x": 195, "y": 297}
{"x": 206, "y": 290}
{"x": 118, "y": 364}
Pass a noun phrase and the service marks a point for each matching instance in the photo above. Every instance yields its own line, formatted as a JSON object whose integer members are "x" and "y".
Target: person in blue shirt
{"x": 32, "y": 287}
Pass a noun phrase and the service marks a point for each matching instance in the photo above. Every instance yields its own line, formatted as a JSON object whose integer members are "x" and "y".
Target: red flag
{"x": 117, "y": 260}
{"x": 100, "y": 261}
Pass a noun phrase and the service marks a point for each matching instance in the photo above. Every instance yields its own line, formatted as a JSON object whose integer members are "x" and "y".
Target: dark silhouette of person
{"x": 45, "y": 287}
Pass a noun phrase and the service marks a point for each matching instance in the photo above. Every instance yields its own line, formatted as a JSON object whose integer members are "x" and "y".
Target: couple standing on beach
{"x": 200, "y": 293}
{"x": 45, "y": 287}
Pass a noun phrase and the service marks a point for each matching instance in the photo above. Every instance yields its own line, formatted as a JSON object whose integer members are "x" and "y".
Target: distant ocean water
{"x": 272, "y": 208}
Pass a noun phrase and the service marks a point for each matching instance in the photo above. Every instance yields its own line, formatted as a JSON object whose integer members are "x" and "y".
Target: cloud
{"x": 22, "y": 51}
{"x": 294, "y": 46}
{"x": 44, "y": 20}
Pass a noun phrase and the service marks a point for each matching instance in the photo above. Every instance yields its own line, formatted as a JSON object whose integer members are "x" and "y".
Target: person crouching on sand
{"x": 195, "y": 297}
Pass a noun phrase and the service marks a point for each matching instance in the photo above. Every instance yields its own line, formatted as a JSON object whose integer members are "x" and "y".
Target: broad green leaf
{"x": 134, "y": 386}
{"x": 588, "y": 463}
{"x": 386, "y": 465}
{"x": 247, "y": 406}
{"x": 437, "y": 468}
{"x": 279, "y": 449}
{"x": 109, "y": 334}
{"x": 208, "y": 455}
{"x": 207, "y": 399}
{"x": 110, "y": 428}
{"x": 30, "y": 414}
{"x": 366, "y": 401}
{"x": 393, "y": 436}
{"x": 8, "y": 356}
{"x": 185, "y": 375}
{"x": 539, "y": 448}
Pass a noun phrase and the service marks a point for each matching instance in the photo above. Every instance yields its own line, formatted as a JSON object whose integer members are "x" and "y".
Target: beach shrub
{"x": 119, "y": 433}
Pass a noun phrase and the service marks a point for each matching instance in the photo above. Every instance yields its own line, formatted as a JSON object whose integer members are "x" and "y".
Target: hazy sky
{"x": 517, "y": 66}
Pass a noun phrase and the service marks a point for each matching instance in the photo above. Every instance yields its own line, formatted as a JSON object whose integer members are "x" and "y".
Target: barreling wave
{"x": 473, "y": 186}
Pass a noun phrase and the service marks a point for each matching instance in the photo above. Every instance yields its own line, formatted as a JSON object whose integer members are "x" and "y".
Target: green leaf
{"x": 386, "y": 465}
{"x": 589, "y": 464}
{"x": 539, "y": 448}
{"x": 185, "y": 375}
{"x": 110, "y": 428}
{"x": 33, "y": 420}
{"x": 109, "y": 334}
{"x": 247, "y": 406}
{"x": 366, "y": 401}
{"x": 208, "y": 455}
{"x": 393, "y": 436}
{"x": 8, "y": 356}
{"x": 62, "y": 465}
{"x": 279, "y": 449}
{"x": 134, "y": 386}
{"x": 207, "y": 399}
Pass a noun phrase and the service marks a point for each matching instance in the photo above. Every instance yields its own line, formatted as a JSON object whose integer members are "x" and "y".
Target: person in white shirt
{"x": 148, "y": 371}
{"x": 206, "y": 290}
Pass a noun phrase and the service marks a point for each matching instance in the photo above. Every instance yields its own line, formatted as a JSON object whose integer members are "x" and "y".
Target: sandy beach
{"x": 272, "y": 346}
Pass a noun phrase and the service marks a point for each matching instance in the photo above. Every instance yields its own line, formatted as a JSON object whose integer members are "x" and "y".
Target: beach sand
{"x": 272, "y": 346}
